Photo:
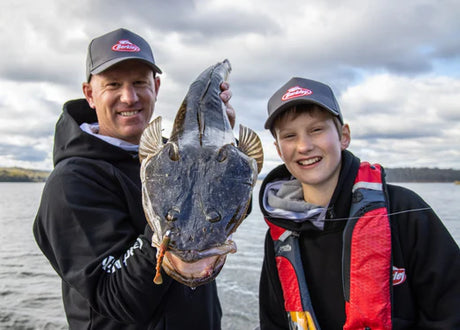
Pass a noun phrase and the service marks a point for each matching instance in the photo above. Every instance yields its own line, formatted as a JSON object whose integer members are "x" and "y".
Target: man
{"x": 90, "y": 223}
{"x": 345, "y": 249}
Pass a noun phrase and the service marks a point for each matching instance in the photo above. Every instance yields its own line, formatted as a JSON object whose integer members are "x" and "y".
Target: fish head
{"x": 201, "y": 195}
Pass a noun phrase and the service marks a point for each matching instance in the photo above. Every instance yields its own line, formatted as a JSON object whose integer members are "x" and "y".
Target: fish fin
{"x": 250, "y": 144}
{"x": 228, "y": 68}
{"x": 151, "y": 140}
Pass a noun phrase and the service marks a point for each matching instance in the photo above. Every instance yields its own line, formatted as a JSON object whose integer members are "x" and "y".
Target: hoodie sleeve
{"x": 89, "y": 225}
{"x": 430, "y": 258}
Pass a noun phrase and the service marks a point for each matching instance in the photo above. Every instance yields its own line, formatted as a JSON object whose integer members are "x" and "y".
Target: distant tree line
{"x": 17, "y": 174}
{"x": 421, "y": 174}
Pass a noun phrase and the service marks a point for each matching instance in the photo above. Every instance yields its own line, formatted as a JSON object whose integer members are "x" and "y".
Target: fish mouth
{"x": 194, "y": 268}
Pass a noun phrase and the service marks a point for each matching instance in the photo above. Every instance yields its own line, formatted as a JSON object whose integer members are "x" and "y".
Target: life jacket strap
{"x": 367, "y": 254}
{"x": 297, "y": 302}
{"x": 301, "y": 321}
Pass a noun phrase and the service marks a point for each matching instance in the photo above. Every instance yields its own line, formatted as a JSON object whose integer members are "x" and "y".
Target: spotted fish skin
{"x": 199, "y": 184}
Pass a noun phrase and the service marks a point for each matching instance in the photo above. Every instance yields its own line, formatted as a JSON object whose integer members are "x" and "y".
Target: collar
{"x": 284, "y": 199}
{"x": 93, "y": 129}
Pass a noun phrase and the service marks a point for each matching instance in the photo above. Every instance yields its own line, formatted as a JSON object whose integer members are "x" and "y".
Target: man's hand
{"x": 226, "y": 95}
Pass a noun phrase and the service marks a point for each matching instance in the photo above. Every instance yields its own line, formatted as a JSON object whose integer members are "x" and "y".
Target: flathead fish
{"x": 196, "y": 187}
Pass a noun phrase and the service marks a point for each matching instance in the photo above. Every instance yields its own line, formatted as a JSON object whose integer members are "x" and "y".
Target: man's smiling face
{"x": 124, "y": 98}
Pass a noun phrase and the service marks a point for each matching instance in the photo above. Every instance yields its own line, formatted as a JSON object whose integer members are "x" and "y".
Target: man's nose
{"x": 129, "y": 94}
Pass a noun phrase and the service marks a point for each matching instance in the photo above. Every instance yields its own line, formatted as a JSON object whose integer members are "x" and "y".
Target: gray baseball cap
{"x": 114, "y": 47}
{"x": 301, "y": 91}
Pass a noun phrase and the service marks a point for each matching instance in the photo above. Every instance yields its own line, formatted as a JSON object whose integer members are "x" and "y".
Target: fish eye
{"x": 213, "y": 216}
{"x": 222, "y": 155}
{"x": 172, "y": 215}
{"x": 173, "y": 152}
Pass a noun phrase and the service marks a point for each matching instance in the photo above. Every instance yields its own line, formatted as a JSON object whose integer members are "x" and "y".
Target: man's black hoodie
{"x": 90, "y": 225}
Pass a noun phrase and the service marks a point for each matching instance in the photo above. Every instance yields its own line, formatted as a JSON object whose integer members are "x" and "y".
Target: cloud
{"x": 403, "y": 107}
{"x": 406, "y": 120}
{"x": 23, "y": 153}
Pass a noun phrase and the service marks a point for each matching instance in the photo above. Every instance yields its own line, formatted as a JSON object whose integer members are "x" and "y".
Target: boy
{"x": 345, "y": 249}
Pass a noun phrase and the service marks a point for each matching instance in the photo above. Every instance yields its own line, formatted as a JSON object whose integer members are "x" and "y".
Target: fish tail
{"x": 163, "y": 247}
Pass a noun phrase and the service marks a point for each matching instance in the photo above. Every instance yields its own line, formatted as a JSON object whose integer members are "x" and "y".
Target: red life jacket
{"x": 366, "y": 261}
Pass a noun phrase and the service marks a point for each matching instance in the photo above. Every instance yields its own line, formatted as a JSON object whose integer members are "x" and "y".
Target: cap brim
{"x": 285, "y": 106}
{"x": 114, "y": 61}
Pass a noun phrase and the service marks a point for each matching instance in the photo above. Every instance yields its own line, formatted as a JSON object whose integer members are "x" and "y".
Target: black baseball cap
{"x": 301, "y": 91}
{"x": 116, "y": 46}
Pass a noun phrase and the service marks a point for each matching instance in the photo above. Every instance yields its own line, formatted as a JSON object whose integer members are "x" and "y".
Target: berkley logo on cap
{"x": 294, "y": 92}
{"x": 125, "y": 46}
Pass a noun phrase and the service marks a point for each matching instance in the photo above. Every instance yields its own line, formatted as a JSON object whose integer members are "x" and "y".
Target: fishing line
{"x": 371, "y": 216}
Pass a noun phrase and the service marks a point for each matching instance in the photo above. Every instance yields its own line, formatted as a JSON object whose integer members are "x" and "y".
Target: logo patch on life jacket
{"x": 125, "y": 45}
{"x": 399, "y": 275}
{"x": 294, "y": 92}
{"x": 285, "y": 248}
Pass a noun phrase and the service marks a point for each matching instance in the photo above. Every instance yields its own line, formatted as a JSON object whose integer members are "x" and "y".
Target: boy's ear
{"x": 345, "y": 137}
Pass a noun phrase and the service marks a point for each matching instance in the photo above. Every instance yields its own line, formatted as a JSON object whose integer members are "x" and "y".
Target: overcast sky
{"x": 393, "y": 65}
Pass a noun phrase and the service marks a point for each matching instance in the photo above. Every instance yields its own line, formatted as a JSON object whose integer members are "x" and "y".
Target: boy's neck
{"x": 320, "y": 196}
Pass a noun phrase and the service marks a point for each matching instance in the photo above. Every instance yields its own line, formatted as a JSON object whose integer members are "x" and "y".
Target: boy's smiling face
{"x": 311, "y": 147}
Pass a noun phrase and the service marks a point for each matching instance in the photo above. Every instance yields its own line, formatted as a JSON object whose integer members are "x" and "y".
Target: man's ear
{"x": 346, "y": 137}
{"x": 88, "y": 92}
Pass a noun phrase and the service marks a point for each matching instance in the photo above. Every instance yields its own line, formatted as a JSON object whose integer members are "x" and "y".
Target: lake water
{"x": 30, "y": 295}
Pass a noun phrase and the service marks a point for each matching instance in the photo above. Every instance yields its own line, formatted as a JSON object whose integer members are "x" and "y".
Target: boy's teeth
{"x": 309, "y": 161}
